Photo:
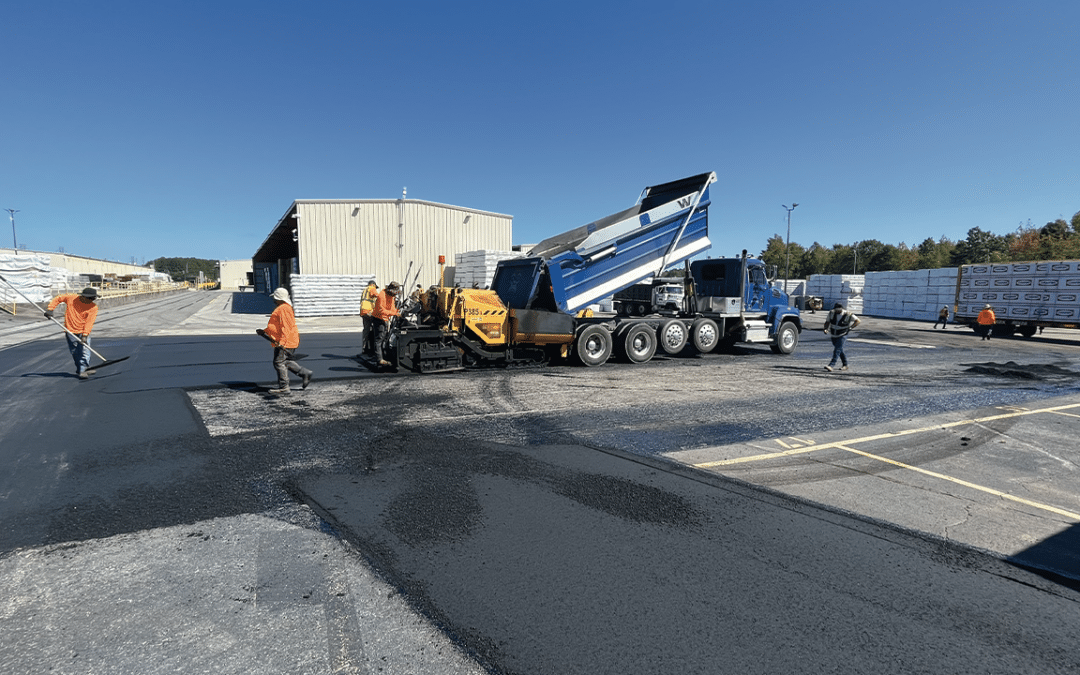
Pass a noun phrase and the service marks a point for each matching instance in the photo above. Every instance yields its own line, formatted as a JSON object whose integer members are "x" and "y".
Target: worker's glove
{"x": 48, "y": 314}
{"x": 261, "y": 332}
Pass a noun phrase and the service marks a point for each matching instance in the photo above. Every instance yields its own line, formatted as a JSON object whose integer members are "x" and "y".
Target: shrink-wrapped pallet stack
{"x": 909, "y": 294}
{"x": 477, "y": 268}
{"x": 834, "y": 288}
{"x": 328, "y": 294}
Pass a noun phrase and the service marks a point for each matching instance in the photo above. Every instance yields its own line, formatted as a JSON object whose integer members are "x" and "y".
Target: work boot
{"x": 83, "y": 375}
{"x": 384, "y": 362}
{"x": 843, "y": 367}
{"x": 828, "y": 368}
{"x": 307, "y": 379}
{"x": 281, "y": 391}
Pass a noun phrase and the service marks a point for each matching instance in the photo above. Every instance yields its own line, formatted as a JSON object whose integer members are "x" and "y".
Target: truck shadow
{"x": 1055, "y": 558}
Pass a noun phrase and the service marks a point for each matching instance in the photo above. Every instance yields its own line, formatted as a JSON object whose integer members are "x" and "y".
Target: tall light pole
{"x": 855, "y": 265}
{"x": 787, "y": 245}
{"x": 14, "y": 240}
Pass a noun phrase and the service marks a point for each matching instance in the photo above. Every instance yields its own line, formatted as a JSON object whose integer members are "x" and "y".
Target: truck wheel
{"x": 787, "y": 339}
{"x": 1026, "y": 331}
{"x": 637, "y": 343}
{"x": 705, "y": 335}
{"x": 672, "y": 336}
{"x": 593, "y": 346}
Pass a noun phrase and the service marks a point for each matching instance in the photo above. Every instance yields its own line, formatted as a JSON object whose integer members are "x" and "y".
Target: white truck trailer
{"x": 1025, "y": 296}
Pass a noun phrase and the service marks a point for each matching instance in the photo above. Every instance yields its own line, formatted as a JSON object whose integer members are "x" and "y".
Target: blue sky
{"x": 135, "y": 130}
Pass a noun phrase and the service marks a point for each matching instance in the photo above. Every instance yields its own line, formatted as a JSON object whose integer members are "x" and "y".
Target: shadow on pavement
{"x": 251, "y": 303}
{"x": 1055, "y": 558}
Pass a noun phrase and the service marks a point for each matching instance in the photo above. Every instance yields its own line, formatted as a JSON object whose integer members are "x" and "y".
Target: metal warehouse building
{"x": 325, "y": 251}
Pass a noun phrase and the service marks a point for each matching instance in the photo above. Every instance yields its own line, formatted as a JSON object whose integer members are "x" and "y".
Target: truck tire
{"x": 636, "y": 343}
{"x": 672, "y": 336}
{"x": 592, "y": 347}
{"x": 787, "y": 339}
{"x": 1027, "y": 331}
{"x": 705, "y": 335}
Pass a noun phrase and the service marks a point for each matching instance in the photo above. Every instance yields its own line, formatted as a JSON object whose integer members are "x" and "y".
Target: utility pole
{"x": 14, "y": 240}
{"x": 787, "y": 246}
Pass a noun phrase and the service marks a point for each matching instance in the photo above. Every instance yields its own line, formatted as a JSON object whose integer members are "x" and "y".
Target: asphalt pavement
{"x": 170, "y": 516}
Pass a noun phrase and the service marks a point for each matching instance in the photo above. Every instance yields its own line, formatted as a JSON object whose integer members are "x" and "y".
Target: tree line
{"x": 186, "y": 269}
{"x": 1057, "y": 240}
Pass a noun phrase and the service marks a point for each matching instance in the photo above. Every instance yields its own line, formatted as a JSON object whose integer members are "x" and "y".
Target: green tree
{"x": 980, "y": 247}
{"x": 814, "y": 260}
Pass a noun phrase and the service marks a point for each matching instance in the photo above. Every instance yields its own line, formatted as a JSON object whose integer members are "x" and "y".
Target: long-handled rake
{"x": 105, "y": 362}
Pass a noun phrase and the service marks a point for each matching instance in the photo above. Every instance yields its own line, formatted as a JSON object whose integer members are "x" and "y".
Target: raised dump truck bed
{"x": 669, "y": 224}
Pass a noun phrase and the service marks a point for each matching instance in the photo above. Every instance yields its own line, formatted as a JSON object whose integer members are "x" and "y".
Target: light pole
{"x": 787, "y": 244}
{"x": 14, "y": 240}
{"x": 855, "y": 265}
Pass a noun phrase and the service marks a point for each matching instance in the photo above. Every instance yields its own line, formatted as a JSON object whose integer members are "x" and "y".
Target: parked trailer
{"x": 1025, "y": 296}
{"x": 537, "y": 308}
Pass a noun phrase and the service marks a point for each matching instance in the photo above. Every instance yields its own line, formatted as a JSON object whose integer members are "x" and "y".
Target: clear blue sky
{"x": 148, "y": 129}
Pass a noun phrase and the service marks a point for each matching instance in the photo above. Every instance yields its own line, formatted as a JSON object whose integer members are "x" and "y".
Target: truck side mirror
{"x": 771, "y": 272}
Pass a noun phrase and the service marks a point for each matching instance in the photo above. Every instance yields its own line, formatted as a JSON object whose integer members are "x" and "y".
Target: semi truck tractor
{"x": 1025, "y": 296}
{"x": 537, "y": 309}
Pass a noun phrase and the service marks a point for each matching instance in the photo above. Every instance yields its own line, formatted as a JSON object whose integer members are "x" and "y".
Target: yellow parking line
{"x": 877, "y": 437}
{"x": 982, "y": 488}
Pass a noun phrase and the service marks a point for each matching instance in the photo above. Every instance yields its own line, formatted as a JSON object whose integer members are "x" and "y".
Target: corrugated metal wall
{"x": 382, "y": 237}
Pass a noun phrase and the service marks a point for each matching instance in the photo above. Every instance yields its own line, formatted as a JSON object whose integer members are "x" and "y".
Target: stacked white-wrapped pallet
{"x": 328, "y": 294}
{"x": 477, "y": 268}
{"x": 1032, "y": 291}
{"x": 834, "y": 288}
{"x": 29, "y": 273}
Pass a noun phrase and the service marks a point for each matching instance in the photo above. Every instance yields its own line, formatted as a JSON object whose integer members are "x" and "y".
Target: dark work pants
{"x": 284, "y": 364}
{"x": 379, "y": 337}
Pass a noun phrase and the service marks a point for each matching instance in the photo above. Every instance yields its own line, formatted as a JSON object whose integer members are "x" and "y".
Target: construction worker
{"x": 79, "y": 318}
{"x": 385, "y": 309}
{"x": 282, "y": 332}
{"x": 986, "y": 321}
{"x": 367, "y": 305}
{"x": 838, "y": 324}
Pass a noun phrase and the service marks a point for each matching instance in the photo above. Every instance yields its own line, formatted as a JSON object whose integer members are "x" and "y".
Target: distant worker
{"x": 78, "y": 319}
{"x": 986, "y": 321}
{"x": 838, "y": 323}
{"x": 281, "y": 331}
{"x": 367, "y": 305}
{"x": 943, "y": 318}
{"x": 385, "y": 309}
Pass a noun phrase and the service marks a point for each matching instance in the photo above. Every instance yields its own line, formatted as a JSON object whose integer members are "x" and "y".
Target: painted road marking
{"x": 884, "y": 436}
{"x": 1014, "y": 411}
{"x": 982, "y": 488}
{"x": 891, "y": 343}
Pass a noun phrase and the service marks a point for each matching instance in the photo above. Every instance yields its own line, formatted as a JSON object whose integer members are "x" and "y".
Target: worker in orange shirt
{"x": 79, "y": 318}
{"x": 367, "y": 305}
{"x": 986, "y": 321}
{"x": 384, "y": 310}
{"x": 282, "y": 332}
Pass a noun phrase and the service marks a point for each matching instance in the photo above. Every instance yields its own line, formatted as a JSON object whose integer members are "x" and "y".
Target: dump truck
{"x": 538, "y": 307}
{"x": 1025, "y": 296}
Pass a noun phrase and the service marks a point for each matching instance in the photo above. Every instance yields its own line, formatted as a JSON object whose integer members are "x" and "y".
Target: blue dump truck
{"x": 537, "y": 309}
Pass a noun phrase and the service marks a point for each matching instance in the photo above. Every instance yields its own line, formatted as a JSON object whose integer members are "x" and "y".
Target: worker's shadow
{"x": 67, "y": 376}
{"x": 357, "y": 366}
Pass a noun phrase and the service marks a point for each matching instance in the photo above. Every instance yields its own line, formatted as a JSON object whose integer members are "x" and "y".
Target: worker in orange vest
{"x": 385, "y": 309}
{"x": 986, "y": 321}
{"x": 282, "y": 332}
{"x": 79, "y": 318}
{"x": 367, "y": 306}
